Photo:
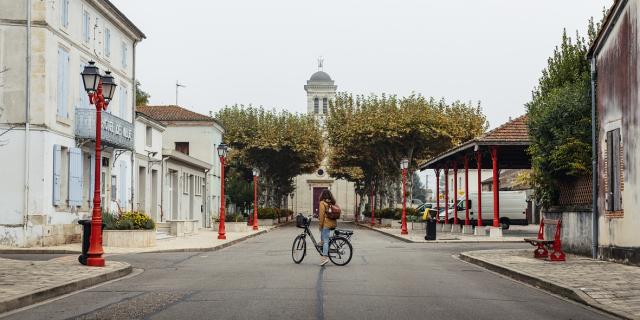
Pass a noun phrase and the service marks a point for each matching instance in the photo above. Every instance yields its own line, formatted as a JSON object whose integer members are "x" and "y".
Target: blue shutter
{"x": 57, "y": 169}
{"x": 60, "y": 81}
{"x": 75, "y": 177}
{"x": 123, "y": 183}
{"x": 63, "y": 86}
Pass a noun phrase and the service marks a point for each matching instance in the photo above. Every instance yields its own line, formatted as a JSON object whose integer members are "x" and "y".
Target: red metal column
{"x": 404, "y": 202}
{"x": 221, "y": 231}
{"x": 446, "y": 194}
{"x": 255, "y": 202}
{"x": 95, "y": 258}
{"x": 479, "y": 205}
{"x": 466, "y": 190}
{"x": 437, "y": 195}
{"x": 455, "y": 192}
{"x": 496, "y": 187}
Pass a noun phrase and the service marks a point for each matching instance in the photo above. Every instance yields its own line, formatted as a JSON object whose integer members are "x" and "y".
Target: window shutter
{"x": 615, "y": 161}
{"x": 57, "y": 169}
{"x": 610, "y": 174}
{"x": 63, "y": 89}
{"x": 75, "y": 177}
{"x": 60, "y": 81}
{"x": 123, "y": 183}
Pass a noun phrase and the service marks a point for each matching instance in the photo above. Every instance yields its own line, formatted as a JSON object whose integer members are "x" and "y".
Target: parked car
{"x": 513, "y": 208}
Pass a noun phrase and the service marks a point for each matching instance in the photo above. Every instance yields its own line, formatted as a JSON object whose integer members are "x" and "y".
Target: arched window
{"x": 325, "y": 105}
{"x": 316, "y": 105}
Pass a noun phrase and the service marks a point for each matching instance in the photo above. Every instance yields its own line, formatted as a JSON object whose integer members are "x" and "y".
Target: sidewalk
{"x": 608, "y": 286}
{"x": 204, "y": 240}
{"x": 23, "y": 283}
{"x": 515, "y": 235}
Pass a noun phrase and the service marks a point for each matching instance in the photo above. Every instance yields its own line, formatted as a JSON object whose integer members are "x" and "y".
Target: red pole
{"x": 373, "y": 222}
{"x": 466, "y": 190}
{"x": 496, "y": 186}
{"x": 255, "y": 202}
{"x": 446, "y": 195}
{"x": 95, "y": 258}
{"x": 455, "y": 192}
{"x": 221, "y": 231}
{"x": 479, "y": 163}
{"x": 437, "y": 194}
{"x": 404, "y": 202}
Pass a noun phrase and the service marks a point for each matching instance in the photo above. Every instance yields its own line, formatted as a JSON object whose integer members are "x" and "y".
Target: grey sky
{"x": 262, "y": 52}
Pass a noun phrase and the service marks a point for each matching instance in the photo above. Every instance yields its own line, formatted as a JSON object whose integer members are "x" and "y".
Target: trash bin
{"x": 86, "y": 235}
{"x": 430, "y": 228}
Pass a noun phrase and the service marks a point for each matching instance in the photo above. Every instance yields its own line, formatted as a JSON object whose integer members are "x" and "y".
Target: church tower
{"x": 320, "y": 90}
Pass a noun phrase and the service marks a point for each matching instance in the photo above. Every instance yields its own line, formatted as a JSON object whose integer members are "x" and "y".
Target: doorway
{"x": 316, "y": 202}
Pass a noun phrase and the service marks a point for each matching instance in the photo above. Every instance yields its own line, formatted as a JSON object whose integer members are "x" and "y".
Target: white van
{"x": 513, "y": 209}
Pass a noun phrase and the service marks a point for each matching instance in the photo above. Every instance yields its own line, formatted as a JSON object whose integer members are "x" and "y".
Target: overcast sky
{"x": 262, "y": 52}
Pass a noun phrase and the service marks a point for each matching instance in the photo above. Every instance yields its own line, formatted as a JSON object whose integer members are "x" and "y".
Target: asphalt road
{"x": 256, "y": 279}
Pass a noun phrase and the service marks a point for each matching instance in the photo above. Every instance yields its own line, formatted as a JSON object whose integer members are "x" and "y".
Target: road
{"x": 256, "y": 279}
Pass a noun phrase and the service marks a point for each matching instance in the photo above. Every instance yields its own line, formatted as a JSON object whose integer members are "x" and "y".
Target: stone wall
{"x": 576, "y": 228}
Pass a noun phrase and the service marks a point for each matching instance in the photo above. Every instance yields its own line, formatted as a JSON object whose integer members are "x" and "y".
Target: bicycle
{"x": 340, "y": 249}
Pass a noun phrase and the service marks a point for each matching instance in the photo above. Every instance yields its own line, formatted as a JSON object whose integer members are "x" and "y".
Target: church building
{"x": 321, "y": 89}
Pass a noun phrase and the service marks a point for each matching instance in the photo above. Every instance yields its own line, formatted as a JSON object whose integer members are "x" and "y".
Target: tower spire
{"x": 320, "y": 63}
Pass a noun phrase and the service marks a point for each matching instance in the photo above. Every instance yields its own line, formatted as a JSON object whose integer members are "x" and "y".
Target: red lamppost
{"x": 404, "y": 164}
{"x": 256, "y": 174}
{"x": 100, "y": 89}
{"x": 222, "y": 153}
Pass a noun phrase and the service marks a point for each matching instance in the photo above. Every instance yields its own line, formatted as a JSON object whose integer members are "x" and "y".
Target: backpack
{"x": 333, "y": 211}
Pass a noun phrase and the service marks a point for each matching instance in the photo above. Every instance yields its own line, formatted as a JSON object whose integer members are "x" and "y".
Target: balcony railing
{"x": 116, "y": 132}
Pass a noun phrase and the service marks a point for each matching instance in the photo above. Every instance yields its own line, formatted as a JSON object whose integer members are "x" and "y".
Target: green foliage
{"x": 559, "y": 118}
{"x": 236, "y": 217}
{"x": 128, "y": 221}
{"x": 369, "y": 135}
{"x": 267, "y": 213}
{"x": 283, "y": 145}
{"x": 142, "y": 98}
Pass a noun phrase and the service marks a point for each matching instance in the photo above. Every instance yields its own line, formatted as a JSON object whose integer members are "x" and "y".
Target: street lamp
{"x": 256, "y": 174}
{"x": 100, "y": 90}
{"x": 404, "y": 164}
{"x": 222, "y": 153}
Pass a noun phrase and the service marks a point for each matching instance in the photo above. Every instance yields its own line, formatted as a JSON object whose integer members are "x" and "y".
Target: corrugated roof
{"x": 172, "y": 113}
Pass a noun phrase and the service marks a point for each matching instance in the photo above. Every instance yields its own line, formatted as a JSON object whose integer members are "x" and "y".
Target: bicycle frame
{"x": 306, "y": 232}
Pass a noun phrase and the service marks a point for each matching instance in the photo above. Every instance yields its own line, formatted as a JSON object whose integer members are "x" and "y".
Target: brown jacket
{"x": 325, "y": 222}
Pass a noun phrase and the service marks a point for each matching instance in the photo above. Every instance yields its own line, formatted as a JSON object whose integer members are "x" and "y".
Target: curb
{"x": 49, "y": 293}
{"x": 401, "y": 238}
{"x": 568, "y": 292}
{"x": 205, "y": 249}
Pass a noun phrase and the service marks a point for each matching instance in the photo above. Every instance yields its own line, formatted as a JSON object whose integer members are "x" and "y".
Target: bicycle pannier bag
{"x": 301, "y": 221}
{"x": 334, "y": 212}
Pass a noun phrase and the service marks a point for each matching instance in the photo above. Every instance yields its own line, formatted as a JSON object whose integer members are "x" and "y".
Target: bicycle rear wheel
{"x": 299, "y": 249}
{"x": 340, "y": 251}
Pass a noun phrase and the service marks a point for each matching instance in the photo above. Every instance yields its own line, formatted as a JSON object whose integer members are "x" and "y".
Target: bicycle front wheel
{"x": 299, "y": 249}
{"x": 340, "y": 251}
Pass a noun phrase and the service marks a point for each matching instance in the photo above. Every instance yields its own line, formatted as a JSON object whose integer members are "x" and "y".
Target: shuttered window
{"x": 107, "y": 42}
{"x": 316, "y": 105}
{"x": 75, "y": 177}
{"x": 63, "y": 83}
{"x": 614, "y": 190}
{"x": 86, "y": 26}
{"x": 325, "y": 105}
{"x": 64, "y": 13}
{"x": 57, "y": 175}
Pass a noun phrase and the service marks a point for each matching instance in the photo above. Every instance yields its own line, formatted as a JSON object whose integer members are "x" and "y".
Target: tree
{"x": 369, "y": 135}
{"x": 417, "y": 188}
{"x": 281, "y": 144}
{"x": 142, "y": 98}
{"x": 559, "y": 118}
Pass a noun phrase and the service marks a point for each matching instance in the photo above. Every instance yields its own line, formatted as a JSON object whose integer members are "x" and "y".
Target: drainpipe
{"x": 594, "y": 164}
{"x": 27, "y": 115}
{"x": 133, "y": 119}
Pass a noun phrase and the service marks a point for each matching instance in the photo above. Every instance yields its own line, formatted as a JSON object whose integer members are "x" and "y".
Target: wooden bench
{"x": 542, "y": 252}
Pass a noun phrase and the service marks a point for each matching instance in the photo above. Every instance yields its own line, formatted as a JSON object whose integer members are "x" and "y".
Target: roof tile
{"x": 172, "y": 113}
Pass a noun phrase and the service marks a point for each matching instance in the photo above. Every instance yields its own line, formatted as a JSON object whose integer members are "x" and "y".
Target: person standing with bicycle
{"x": 328, "y": 221}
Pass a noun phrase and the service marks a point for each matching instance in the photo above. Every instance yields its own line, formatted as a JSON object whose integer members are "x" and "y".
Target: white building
{"x": 190, "y": 167}
{"x": 321, "y": 89}
{"x": 148, "y": 164}
{"x": 47, "y": 161}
